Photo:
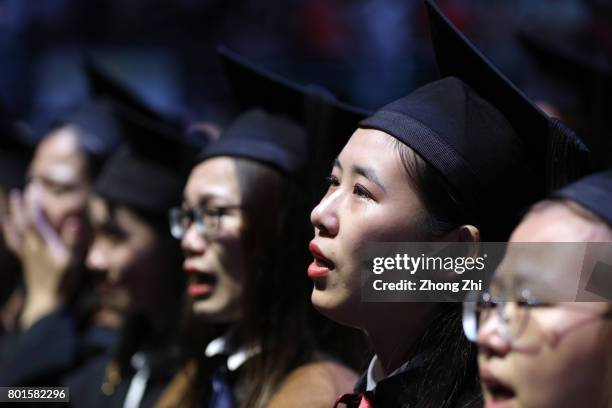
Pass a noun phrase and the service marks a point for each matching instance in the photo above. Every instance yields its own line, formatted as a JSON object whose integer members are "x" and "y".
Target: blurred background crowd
{"x": 367, "y": 52}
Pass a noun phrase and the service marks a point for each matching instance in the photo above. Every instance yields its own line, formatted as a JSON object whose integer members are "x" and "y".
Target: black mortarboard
{"x": 148, "y": 171}
{"x": 100, "y": 133}
{"x": 15, "y": 153}
{"x": 271, "y": 139}
{"x": 593, "y": 192}
{"x": 462, "y": 136}
{"x": 581, "y": 85}
{"x": 104, "y": 86}
{"x": 478, "y": 131}
{"x": 327, "y": 122}
{"x": 555, "y": 151}
{"x": 140, "y": 174}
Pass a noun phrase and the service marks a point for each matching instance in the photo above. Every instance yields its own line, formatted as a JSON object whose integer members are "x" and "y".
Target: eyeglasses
{"x": 513, "y": 315}
{"x": 207, "y": 220}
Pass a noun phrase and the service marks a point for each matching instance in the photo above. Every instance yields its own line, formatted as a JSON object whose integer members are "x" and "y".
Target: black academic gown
{"x": 40, "y": 355}
{"x": 105, "y": 380}
{"x": 395, "y": 391}
{"x": 52, "y": 347}
{"x": 91, "y": 386}
{"x": 400, "y": 390}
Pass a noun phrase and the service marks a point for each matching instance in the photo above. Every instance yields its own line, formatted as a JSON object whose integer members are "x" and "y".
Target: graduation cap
{"x": 104, "y": 86}
{"x": 274, "y": 140}
{"x": 107, "y": 89}
{"x": 15, "y": 153}
{"x": 547, "y": 140}
{"x": 328, "y": 123}
{"x": 148, "y": 172}
{"x": 593, "y": 192}
{"x": 326, "y": 119}
{"x": 485, "y": 138}
{"x": 579, "y": 82}
{"x": 100, "y": 133}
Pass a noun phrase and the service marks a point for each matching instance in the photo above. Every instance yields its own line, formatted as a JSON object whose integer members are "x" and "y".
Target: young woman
{"x": 46, "y": 226}
{"x": 242, "y": 229}
{"x": 65, "y": 162}
{"x": 549, "y": 351}
{"x": 442, "y": 164}
{"x": 135, "y": 264}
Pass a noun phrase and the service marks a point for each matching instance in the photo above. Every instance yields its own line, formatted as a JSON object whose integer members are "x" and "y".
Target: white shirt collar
{"x": 237, "y": 356}
{"x": 376, "y": 372}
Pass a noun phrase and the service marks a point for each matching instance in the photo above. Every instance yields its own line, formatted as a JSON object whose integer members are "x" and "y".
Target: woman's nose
{"x": 490, "y": 338}
{"x": 96, "y": 260}
{"x": 193, "y": 243}
{"x": 324, "y": 217}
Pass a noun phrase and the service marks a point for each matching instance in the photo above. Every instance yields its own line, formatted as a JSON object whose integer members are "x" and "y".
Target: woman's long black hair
{"x": 274, "y": 304}
{"x": 449, "y": 376}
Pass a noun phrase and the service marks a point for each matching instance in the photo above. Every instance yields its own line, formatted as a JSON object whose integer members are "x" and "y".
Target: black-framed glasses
{"x": 207, "y": 220}
{"x": 513, "y": 315}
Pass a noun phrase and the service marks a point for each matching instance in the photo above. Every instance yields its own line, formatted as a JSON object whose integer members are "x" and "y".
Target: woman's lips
{"x": 501, "y": 394}
{"x": 104, "y": 288}
{"x": 320, "y": 266}
{"x": 198, "y": 290}
{"x": 200, "y": 284}
{"x": 492, "y": 403}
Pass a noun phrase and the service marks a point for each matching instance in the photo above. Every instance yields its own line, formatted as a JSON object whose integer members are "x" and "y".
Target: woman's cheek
{"x": 571, "y": 370}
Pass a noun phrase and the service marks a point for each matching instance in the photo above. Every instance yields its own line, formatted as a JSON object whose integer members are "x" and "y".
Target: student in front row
{"x": 538, "y": 348}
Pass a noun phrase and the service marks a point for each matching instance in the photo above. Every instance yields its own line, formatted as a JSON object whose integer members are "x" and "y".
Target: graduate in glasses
{"x": 243, "y": 228}
{"x": 544, "y": 330}
{"x": 44, "y": 223}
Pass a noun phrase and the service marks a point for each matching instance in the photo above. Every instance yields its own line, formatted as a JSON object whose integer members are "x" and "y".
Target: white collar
{"x": 237, "y": 356}
{"x": 376, "y": 372}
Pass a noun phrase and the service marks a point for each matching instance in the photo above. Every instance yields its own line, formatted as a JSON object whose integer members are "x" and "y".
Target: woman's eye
{"x": 59, "y": 189}
{"x": 361, "y": 191}
{"x": 539, "y": 304}
{"x": 114, "y": 236}
{"x": 210, "y": 212}
{"x": 332, "y": 181}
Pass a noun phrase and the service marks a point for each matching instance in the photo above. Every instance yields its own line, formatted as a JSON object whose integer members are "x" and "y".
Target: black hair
{"x": 450, "y": 373}
{"x": 275, "y": 299}
{"x": 446, "y": 208}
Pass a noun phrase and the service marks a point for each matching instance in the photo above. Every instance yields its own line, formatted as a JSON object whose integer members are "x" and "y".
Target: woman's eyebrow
{"x": 337, "y": 163}
{"x": 204, "y": 200}
{"x": 213, "y": 199}
{"x": 198, "y": 202}
{"x": 370, "y": 174}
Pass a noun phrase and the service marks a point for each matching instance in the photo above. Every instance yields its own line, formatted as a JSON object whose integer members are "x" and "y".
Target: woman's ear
{"x": 464, "y": 233}
{"x": 468, "y": 233}
{"x": 469, "y": 236}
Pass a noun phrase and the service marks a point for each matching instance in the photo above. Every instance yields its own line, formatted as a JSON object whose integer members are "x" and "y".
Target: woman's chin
{"x": 214, "y": 311}
{"x": 334, "y": 306}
